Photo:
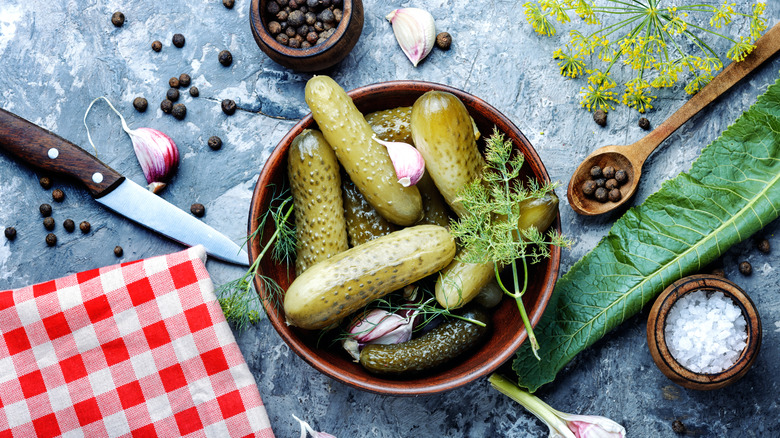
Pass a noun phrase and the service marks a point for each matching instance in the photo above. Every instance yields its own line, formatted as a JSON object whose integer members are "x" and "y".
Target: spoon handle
{"x": 766, "y": 46}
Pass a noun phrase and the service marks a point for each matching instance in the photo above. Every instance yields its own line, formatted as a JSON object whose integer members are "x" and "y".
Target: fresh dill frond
{"x": 239, "y": 301}
{"x": 497, "y": 230}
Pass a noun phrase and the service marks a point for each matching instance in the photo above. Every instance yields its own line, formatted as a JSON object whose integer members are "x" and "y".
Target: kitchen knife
{"x": 52, "y": 153}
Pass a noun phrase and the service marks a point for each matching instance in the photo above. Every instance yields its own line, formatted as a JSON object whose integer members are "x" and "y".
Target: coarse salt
{"x": 705, "y": 332}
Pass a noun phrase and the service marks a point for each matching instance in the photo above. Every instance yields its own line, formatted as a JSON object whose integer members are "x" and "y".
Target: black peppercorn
{"x": 294, "y": 43}
{"x": 229, "y": 3}
{"x": 178, "y": 40}
{"x": 229, "y": 107}
{"x": 600, "y": 182}
{"x": 272, "y": 8}
{"x": 156, "y": 46}
{"x": 225, "y": 58}
{"x": 644, "y": 123}
{"x": 198, "y": 210}
{"x": 611, "y": 184}
{"x": 118, "y": 251}
{"x": 85, "y": 227}
{"x": 443, "y": 40}
{"x": 184, "y": 80}
{"x": 614, "y": 195}
{"x": 305, "y": 45}
{"x": 326, "y": 16}
{"x": 10, "y": 233}
{"x": 282, "y": 16}
{"x": 678, "y": 427}
{"x": 69, "y": 225}
{"x": 601, "y": 194}
{"x": 312, "y": 3}
{"x": 48, "y": 223}
{"x": 745, "y": 268}
{"x": 621, "y": 176}
{"x": 290, "y": 32}
{"x": 51, "y": 239}
{"x": 215, "y": 143}
{"x": 179, "y": 111}
{"x": 274, "y": 27}
{"x": 282, "y": 3}
{"x": 608, "y": 172}
{"x": 595, "y": 172}
{"x": 312, "y": 37}
{"x": 172, "y": 94}
{"x": 600, "y": 117}
{"x": 45, "y": 182}
{"x": 58, "y": 195}
{"x": 166, "y": 106}
{"x": 589, "y": 187}
{"x": 174, "y": 82}
{"x": 763, "y": 246}
{"x": 297, "y": 18}
{"x": 282, "y": 39}
{"x": 140, "y": 104}
{"x": 45, "y": 210}
{"x": 194, "y": 92}
{"x": 338, "y": 15}
{"x": 318, "y": 26}
{"x": 118, "y": 19}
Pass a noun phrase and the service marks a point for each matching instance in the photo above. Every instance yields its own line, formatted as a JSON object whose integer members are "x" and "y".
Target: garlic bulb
{"x": 415, "y": 32}
{"x": 408, "y": 162}
{"x": 156, "y": 152}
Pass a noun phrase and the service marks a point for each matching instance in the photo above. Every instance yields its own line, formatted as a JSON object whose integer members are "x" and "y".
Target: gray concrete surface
{"x": 56, "y": 56}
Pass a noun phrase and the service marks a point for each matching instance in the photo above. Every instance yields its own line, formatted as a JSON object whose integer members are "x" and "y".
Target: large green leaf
{"x": 731, "y": 191}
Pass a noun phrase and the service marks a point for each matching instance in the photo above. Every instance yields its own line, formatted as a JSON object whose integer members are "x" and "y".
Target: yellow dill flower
{"x": 708, "y": 64}
{"x": 667, "y": 74}
{"x": 698, "y": 83}
{"x": 555, "y": 8}
{"x": 585, "y": 10}
{"x": 757, "y": 22}
{"x": 538, "y": 19}
{"x": 676, "y": 25}
{"x": 598, "y": 78}
{"x": 637, "y": 95}
{"x": 599, "y": 96}
{"x": 740, "y": 50}
{"x": 571, "y": 64}
{"x": 722, "y": 15}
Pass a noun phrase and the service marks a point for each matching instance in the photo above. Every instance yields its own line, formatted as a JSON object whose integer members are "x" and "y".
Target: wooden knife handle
{"x": 50, "y": 152}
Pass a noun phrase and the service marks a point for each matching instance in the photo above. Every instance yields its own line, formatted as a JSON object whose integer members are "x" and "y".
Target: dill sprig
{"x": 239, "y": 301}
{"x": 491, "y": 232}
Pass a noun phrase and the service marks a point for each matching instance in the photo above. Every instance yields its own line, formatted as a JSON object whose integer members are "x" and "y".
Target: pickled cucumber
{"x": 334, "y": 288}
{"x": 443, "y": 133}
{"x": 460, "y": 282}
{"x": 395, "y": 124}
{"x": 313, "y": 172}
{"x": 440, "y": 345}
{"x": 366, "y": 161}
{"x": 364, "y": 223}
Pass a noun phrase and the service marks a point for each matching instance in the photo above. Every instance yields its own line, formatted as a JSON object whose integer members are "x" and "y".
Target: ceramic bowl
{"x": 507, "y": 328}
{"x": 316, "y": 58}
{"x": 656, "y": 336}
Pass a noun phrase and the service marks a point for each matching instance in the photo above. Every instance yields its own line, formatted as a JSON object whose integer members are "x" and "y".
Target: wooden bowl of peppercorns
{"x": 306, "y": 35}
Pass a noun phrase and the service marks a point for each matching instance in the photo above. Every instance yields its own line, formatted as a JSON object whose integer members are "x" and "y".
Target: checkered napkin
{"x": 139, "y": 349}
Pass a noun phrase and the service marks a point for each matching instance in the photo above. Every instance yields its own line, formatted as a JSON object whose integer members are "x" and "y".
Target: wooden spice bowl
{"x": 656, "y": 336}
{"x": 315, "y": 58}
{"x": 506, "y": 327}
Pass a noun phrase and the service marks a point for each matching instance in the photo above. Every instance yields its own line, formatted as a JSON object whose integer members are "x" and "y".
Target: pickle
{"x": 366, "y": 161}
{"x": 395, "y": 124}
{"x": 460, "y": 282}
{"x": 435, "y": 210}
{"x": 444, "y": 134}
{"x": 363, "y": 221}
{"x": 440, "y": 345}
{"x": 313, "y": 171}
{"x": 337, "y": 287}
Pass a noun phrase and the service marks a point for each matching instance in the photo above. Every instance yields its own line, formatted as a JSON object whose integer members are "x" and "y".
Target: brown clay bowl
{"x": 656, "y": 333}
{"x": 507, "y": 328}
{"x": 315, "y": 58}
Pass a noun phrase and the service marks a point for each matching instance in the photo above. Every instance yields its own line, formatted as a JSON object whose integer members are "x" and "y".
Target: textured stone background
{"x": 56, "y": 56}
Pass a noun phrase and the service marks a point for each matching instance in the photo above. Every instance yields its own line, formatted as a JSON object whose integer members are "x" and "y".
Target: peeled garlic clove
{"x": 157, "y": 154}
{"x": 415, "y": 32}
{"x": 408, "y": 162}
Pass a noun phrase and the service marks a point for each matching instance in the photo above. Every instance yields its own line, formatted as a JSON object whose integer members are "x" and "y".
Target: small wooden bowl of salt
{"x": 704, "y": 332}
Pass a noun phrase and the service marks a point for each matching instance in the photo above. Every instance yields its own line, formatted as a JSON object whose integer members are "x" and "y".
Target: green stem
{"x": 533, "y": 404}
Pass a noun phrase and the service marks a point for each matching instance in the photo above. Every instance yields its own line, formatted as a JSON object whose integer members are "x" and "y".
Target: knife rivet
{"x": 54, "y": 153}
{"x": 97, "y": 177}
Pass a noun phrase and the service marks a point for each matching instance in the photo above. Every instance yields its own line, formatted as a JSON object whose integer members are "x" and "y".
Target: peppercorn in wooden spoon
{"x": 631, "y": 157}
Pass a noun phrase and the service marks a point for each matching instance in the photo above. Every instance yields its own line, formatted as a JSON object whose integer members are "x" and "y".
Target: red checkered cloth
{"x": 139, "y": 349}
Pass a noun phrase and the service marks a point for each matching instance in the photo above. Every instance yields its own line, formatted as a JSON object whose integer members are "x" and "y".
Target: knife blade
{"x": 48, "y": 151}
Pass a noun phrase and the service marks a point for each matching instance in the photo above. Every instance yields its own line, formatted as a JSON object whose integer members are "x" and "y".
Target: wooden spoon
{"x": 631, "y": 157}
